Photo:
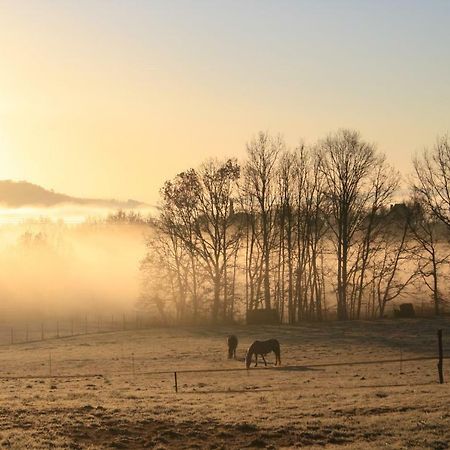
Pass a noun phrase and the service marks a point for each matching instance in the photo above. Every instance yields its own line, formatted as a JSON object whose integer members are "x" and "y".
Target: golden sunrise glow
{"x": 224, "y": 224}
{"x": 111, "y": 104}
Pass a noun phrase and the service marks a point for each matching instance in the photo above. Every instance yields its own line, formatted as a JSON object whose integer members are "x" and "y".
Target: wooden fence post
{"x": 441, "y": 358}
{"x": 176, "y": 382}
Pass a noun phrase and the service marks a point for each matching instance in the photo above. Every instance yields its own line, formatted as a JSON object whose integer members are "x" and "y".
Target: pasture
{"x": 116, "y": 389}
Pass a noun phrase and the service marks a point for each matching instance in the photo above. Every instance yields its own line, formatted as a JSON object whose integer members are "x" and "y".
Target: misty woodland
{"x": 312, "y": 232}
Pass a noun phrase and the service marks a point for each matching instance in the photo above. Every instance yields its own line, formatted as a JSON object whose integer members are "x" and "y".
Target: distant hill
{"x": 16, "y": 194}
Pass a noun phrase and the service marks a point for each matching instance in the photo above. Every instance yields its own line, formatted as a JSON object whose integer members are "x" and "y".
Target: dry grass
{"x": 298, "y": 405}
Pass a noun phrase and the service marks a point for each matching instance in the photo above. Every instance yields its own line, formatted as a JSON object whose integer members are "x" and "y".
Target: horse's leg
{"x": 256, "y": 359}
{"x": 264, "y": 359}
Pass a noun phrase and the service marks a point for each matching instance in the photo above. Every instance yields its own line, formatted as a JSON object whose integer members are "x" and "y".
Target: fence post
{"x": 176, "y": 383}
{"x": 441, "y": 358}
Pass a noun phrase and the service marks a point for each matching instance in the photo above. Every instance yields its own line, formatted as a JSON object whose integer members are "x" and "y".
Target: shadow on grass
{"x": 299, "y": 369}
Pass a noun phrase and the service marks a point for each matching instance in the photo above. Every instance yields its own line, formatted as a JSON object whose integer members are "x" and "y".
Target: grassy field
{"x": 116, "y": 400}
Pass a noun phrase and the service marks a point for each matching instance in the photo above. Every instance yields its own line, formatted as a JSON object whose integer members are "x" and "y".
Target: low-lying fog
{"x": 68, "y": 260}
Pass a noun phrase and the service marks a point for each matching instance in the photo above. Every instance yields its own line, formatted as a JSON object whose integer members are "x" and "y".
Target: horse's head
{"x": 248, "y": 358}
{"x": 249, "y": 355}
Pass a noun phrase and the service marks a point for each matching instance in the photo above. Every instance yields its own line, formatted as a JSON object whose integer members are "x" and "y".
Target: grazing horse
{"x": 232, "y": 342}
{"x": 263, "y": 348}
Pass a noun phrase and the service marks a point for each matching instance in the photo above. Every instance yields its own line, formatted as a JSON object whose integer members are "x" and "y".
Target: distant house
{"x": 399, "y": 211}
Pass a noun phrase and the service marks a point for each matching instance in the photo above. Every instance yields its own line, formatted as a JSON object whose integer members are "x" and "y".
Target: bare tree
{"x": 261, "y": 185}
{"x": 391, "y": 275}
{"x": 218, "y": 232}
{"x": 310, "y": 229}
{"x": 346, "y": 162}
{"x": 287, "y": 176}
{"x": 198, "y": 211}
{"x": 163, "y": 280}
{"x": 431, "y": 186}
{"x": 383, "y": 183}
{"x": 425, "y": 232}
{"x": 432, "y": 179}
{"x": 179, "y": 214}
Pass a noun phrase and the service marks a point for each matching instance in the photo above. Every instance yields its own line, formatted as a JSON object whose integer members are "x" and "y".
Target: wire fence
{"x": 45, "y": 329}
{"x": 176, "y": 373}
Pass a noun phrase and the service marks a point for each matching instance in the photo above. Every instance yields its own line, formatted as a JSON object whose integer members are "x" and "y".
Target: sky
{"x": 112, "y": 98}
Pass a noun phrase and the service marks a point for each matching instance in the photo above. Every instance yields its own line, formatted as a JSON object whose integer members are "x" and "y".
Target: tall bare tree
{"x": 431, "y": 186}
{"x": 179, "y": 213}
{"x": 432, "y": 179}
{"x": 261, "y": 184}
{"x": 426, "y": 232}
{"x": 390, "y": 267}
{"x": 383, "y": 183}
{"x": 217, "y": 231}
{"x": 346, "y": 162}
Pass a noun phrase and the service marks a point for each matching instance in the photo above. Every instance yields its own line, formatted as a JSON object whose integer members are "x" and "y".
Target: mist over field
{"x": 67, "y": 213}
{"x": 68, "y": 260}
{"x": 72, "y": 261}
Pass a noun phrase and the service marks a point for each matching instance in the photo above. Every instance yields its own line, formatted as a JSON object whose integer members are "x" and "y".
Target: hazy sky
{"x": 111, "y": 98}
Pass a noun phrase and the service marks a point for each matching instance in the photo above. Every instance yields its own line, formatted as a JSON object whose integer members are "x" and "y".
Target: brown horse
{"x": 263, "y": 348}
{"x": 232, "y": 342}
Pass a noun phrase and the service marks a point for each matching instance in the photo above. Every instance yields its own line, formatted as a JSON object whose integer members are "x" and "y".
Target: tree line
{"x": 313, "y": 232}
